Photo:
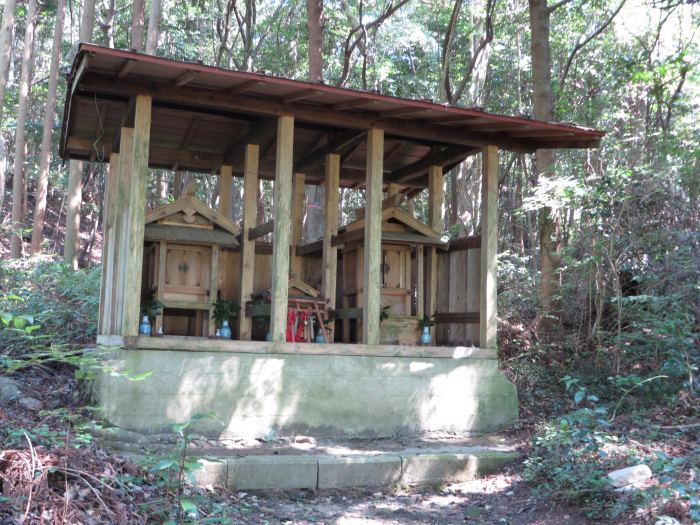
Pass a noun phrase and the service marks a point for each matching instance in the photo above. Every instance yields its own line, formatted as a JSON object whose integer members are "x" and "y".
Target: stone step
{"x": 325, "y": 471}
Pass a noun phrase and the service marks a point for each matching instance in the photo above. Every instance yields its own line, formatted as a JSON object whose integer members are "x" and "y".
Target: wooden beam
{"x": 330, "y": 253}
{"x": 439, "y": 158}
{"x": 158, "y": 154}
{"x": 247, "y": 266}
{"x": 334, "y": 146}
{"x": 133, "y": 260}
{"x": 300, "y": 95}
{"x": 298, "y": 197}
{"x": 353, "y": 103}
{"x": 401, "y": 112}
{"x": 127, "y": 121}
{"x": 245, "y": 86}
{"x": 261, "y": 230}
{"x": 489, "y": 247}
{"x": 372, "y": 280}
{"x": 189, "y": 134}
{"x": 185, "y": 78}
{"x": 457, "y": 317}
{"x": 436, "y": 198}
{"x": 282, "y": 227}
{"x": 259, "y": 133}
{"x": 473, "y": 299}
{"x": 225, "y": 187}
{"x": 466, "y": 243}
{"x": 126, "y": 67}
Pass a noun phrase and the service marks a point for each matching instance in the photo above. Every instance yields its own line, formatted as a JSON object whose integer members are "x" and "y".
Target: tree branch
{"x": 580, "y": 44}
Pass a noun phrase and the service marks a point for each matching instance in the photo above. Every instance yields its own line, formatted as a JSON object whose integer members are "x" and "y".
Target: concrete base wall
{"x": 285, "y": 391}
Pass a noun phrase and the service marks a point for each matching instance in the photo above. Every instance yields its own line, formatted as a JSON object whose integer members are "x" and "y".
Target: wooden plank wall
{"x": 458, "y": 291}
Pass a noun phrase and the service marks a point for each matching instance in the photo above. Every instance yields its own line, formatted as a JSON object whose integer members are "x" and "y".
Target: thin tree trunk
{"x": 137, "y": 20}
{"x": 87, "y": 21}
{"x": 24, "y": 94}
{"x": 71, "y": 242}
{"x": 314, "y": 12}
{"x": 543, "y": 102}
{"x": 49, "y": 115}
{"x": 8, "y": 24}
{"x": 153, "y": 23}
{"x": 314, "y": 194}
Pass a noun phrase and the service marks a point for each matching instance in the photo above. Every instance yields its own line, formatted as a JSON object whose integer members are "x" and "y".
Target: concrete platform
{"x": 385, "y": 469}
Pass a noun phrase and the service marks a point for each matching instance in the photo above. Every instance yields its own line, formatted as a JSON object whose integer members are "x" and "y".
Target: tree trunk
{"x": 137, "y": 20}
{"x": 153, "y": 23}
{"x": 87, "y": 21}
{"x": 44, "y": 156}
{"x": 8, "y": 24}
{"x": 314, "y": 194}
{"x": 314, "y": 12}
{"x": 23, "y": 104}
{"x": 71, "y": 242}
{"x": 543, "y": 102}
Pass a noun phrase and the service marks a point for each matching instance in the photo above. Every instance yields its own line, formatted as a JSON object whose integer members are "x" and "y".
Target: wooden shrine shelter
{"x": 138, "y": 112}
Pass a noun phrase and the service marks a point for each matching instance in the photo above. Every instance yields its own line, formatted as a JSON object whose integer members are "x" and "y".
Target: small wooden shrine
{"x": 402, "y": 291}
{"x": 181, "y": 264}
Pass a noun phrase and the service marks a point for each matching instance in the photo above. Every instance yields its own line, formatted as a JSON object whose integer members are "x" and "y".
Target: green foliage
{"x": 46, "y": 305}
{"x": 151, "y": 306}
{"x": 176, "y": 470}
{"x": 225, "y": 309}
{"x": 427, "y": 320}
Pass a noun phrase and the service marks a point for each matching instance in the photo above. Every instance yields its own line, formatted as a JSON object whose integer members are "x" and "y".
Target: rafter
{"x": 439, "y": 158}
{"x": 334, "y": 146}
{"x": 259, "y": 132}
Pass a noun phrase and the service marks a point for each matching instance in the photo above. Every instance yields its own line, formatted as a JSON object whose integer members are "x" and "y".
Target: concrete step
{"x": 327, "y": 471}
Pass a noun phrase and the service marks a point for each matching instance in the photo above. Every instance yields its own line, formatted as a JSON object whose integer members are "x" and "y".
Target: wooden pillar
{"x": 105, "y": 326}
{"x": 135, "y": 215}
{"x": 420, "y": 281}
{"x": 121, "y": 233}
{"x": 372, "y": 279}
{"x": 282, "y": 227}
{"x": 225, "y": 183}
{"x": 436, "y": 198}
{"x": 247, "y": 266}
{"x": 297, "y": 222}
{"x": 71, "y": 245}
{"x": 330, "y": 253}
{"x": 489, "y": 247}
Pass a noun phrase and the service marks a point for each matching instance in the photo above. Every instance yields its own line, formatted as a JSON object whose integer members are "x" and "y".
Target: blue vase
{"x": 145, "y": 326}
{"x": 425, "y": 337}
{"x": 225, "y": 330}
{"x": 268, "y": 336}
{"x": 320, "y": 338}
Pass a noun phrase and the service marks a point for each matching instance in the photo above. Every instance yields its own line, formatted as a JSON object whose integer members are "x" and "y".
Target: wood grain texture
{"x": 373, "y": 237}
{"x": 247, "y": 265}
{"x": 489, "y": 247}
{"x": 282, "y": 231}
{"x": 329, "y": 252}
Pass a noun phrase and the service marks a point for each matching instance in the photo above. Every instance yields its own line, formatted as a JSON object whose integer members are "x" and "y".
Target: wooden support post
{"x": 282, "y": 231}
{"x": 489, "y": 247}
{"x": 473, "y": 292}
{"x": 247, "y": 267}
{"x": 372, "y": 277}
{"x": 297, "y": 223}
{"x": 105, "y": 326}
{"x": 436, "y": 198}
{"x": 162, "y": 269}
{"x": 135, "y": 215}
{"x": 71, "y": 245}
{"x": 330, "y": 253}
{"x": 121, "y": 233}
{"x": 420, "y": 281}
{"x": 225, "y": 183}
{"x": 213, "y": 289}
